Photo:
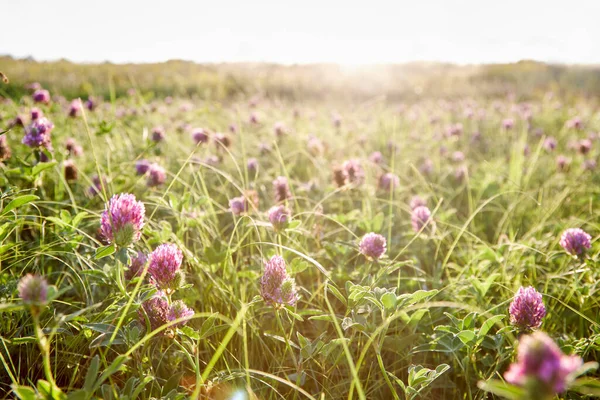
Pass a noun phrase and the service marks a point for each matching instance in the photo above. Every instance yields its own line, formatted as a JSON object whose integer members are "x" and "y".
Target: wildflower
{"x": 279, "y": 129}
{"x": 179, "y": 310}
{"x": 41, "y": 96}
{"x": 372, "y": 245}
{"x": 426, "y": 167}
{"x": 18, "y": 121}
{"x": 575, "y": 241}
{"x": 281, "y": 188}
{"x": 417, "y": 201}
{"x": 222, "y": 140}
{"x": 264, "y": 148}
{"x": 279, "y": 217}
{"x": 508, "y": 123}
{"x": 238, "y": 205}
{"x": 315, "y": 146}
{"x": 574, "y": 123}
{"x": 252, "y": 165}
{"x": 527, "y": 309}
{"x": 589, "y": 165}
{"x": 142, "y": 166}
{"x": 136, "y": 266}
{"x": 421, "y": 216}
{"x": 276, "y": 286}
{"x": 455, "y": 130}
{"x": 549, "y": 144}
{"x": 36, "y": 113}
{"x": 376, "y": 157}
{"x": 199, "y": 136}
{"x": 254, "y": 119}
{"x": 585, "y": 145}
{"x": 158, "y": 134}
{"x": 156, "y": 309}
{"x": 212, "y": 160}
{"x": 90, "y": 104}
{"x": 70, "y": 170}
{"x": 5, "y": 152}
{"x": 389, "y": 182}
{"x": 458, "y": 156}
{"x": 33, "y": 289}
{"x": 337, "y": 120}
{"x": 460, "y": 172}
{"x": 338, "y": 176}
{"x": 562, "y": 163}
{"x": 96, "y": 186}
{"x": 37, "y": 134}
{"x": 156, "y": 175}
{"x": 541, "y": 366}
{"x": 73, "y": 148}
{"x": 165, "y": 267}
{"x": 353, "y": 172}
{"x": 123, "y": 220}
{"x": 75, "y": 108}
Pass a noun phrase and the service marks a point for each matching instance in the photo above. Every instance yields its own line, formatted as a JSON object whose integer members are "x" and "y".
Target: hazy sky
{"x": 303, "y": 31}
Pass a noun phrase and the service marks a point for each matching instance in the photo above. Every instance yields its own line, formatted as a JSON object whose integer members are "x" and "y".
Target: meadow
{"x": 310, "y": 236}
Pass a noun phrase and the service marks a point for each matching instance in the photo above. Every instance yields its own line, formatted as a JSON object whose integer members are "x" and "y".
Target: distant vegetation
{"x": 406, "y": 82}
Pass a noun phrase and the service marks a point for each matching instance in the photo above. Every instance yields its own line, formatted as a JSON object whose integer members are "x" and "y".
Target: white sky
{"x": 303, "y": 31}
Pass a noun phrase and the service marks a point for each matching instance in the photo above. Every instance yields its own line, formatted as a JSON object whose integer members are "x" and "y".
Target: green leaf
{"x": 92, "y": 374}
{"x": 293, "y": 225}
{"x": 42, "y": 167}
{"x": 587, "y": 386}
{"x": 104, "y": 251}
{"x": 18, "y": 202}
{"x": 8, "y": 307}
{"x": 337, "y": 294}
{"x": 24, "y": 392}
{"x": 466, "y": 336}
{"x": 189, "y": 332}
{"x": 502, "y": 389}
{"x": 78, "y": 395}
{"x": 102, "y": 328}
{"x": 488, "y": 324}
{"x": 389, "y": 300}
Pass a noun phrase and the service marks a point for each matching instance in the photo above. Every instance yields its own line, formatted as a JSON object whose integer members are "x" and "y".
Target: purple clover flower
{"x": 389, "y": 182}
{"x": 37, "y": 134}
{"x": 142, "y": 166}
{"x": 372, "y": 245}
{"x": 199, "y": 136}
{"x": 123, "y": 220}
{"x": 75, "y": 108}
{"x": 180, "y": 310}
{"x": 252, "y": 165}
{"x": 136, "y": 266}
{"x": 527, "y": 309}
{"x": 276, "y": 287}
{"x": 417, "y": 201}
{"x": 282, "y": 189}
{"x": 33, "y": 289}
{"x": 238, "y": 205}
{"x": 165, "y": 267}
{"x": 156, "y": 309}
{"x": 156, "y": 175}
{"x": 575, "y": 241}
{"x": 540, "y": 360}
{"x": 41, "y": 96}
{"x": 279, "y": 216}
{"x": 420, "y": 217}
{"x": 158, "y": 134}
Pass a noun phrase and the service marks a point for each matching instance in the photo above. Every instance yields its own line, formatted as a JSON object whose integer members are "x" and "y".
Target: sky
{"x": 303, "y": 31}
